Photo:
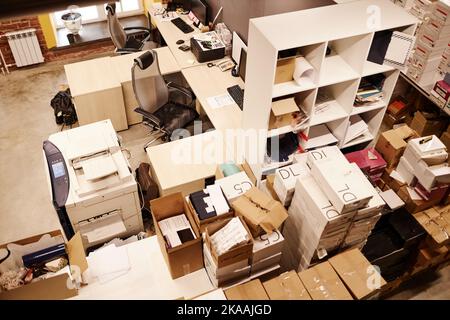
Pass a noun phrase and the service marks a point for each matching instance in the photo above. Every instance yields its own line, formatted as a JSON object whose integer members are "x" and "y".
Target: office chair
{"x": 124, "y": 42}
{"x": 155, "y": 98}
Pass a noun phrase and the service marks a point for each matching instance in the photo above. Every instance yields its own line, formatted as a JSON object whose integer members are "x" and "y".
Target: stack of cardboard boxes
{"x": 370, "y": 162}
{"x": 329, "y": 194}
{"x": 424, "y": 170}
{"x": 432, "y": 40}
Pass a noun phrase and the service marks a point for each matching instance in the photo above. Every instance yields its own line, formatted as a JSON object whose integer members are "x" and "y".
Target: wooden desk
{"x": 208, "y": 82}
{"x": 97, "y": 92}
{"x": 148, "y": 278}
{"x": 122, "y": 67}
{"x": 180, "y": 166}
{"x": 172, "y": 34}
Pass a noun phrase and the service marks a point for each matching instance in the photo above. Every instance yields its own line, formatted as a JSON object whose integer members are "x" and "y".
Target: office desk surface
{"x": 148, "y": 278}
{"x": 90, "y": 76}
{"x": 123, "y": 64}
{"x": 208, "y": 82}
{"x": 183, "y": 165}
{"x": 172, "y": 34}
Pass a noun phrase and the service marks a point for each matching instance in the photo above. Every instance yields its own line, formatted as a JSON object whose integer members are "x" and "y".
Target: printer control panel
{"x": 58, "y": 173}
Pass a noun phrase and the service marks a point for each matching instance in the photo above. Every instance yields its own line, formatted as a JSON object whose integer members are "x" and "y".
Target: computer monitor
{"x": 200, "y": 9}
{"x": 243, "y": 64}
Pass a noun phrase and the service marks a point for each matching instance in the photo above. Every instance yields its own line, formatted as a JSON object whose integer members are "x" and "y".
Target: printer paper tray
{"x": 103, "y": 228}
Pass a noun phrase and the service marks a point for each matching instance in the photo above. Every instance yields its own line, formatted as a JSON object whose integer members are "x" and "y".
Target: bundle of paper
{"x": 230, "y": 236}
{"x": 369, "y": 161}
{"x": 369, "y": 91}
{"x": 357, "y": 128}
{"x": 176, "y": 230}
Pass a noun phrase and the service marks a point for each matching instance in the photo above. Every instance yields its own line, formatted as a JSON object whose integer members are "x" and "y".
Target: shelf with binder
{"x": 339, "y": 70}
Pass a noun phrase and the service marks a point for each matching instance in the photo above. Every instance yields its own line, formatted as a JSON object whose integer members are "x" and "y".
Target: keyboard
{"x": 237, "y": 94}
{"x": 183, "y": 26}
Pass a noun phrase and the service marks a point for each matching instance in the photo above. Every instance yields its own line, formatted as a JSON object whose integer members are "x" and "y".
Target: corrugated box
{"x": 252, "y": 290}
{"x": 287, "y": 286}
{"x": 187, "y": 257}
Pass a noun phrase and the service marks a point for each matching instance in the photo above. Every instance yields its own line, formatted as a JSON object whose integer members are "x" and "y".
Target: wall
{"x": 47, "y": 40}
{"x": 237, "y": 13}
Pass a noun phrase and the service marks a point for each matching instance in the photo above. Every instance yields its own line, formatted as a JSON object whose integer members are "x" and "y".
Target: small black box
{"x": 205, "y": 54}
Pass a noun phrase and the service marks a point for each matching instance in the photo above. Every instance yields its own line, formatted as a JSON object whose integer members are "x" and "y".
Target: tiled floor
{"x": 26, "y": 120}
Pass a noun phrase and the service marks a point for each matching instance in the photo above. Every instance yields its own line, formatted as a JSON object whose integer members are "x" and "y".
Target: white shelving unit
{"x": 346, "y": 31}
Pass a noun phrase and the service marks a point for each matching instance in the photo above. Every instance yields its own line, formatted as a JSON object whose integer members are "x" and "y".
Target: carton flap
{"x": 260, "y": 210}
{"x": 75, "y": 251}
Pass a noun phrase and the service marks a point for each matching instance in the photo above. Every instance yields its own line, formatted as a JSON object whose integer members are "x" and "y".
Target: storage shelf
{"x": 363, "y": 109}
{"x": 371, "y": 68}
{"x": 334, "y": 112}
{"x": 285, "y": 129}
{"x": 364, "y": 138}
{"x": 291, "y": 87}
{"x": 336, "y": 70}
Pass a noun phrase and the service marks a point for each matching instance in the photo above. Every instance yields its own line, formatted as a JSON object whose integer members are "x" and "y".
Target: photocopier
{"x": 92, "y": 187}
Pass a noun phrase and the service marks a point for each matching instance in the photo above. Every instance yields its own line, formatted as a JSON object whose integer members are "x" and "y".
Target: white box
{"x": 428, "y": 176}
{"x": 326, "y": 153}
{"x": 433, "y": 151}
{"x": 235, "y": 185}
{"x": 284, "y": 183}
{"x": 442, "y": 11}
{"x": 405, "y": 169}
{"x": 342, "y": 186}
{"x": 267, "y": 245}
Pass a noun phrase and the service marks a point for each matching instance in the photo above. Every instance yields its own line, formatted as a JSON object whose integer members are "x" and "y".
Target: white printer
{"x": 92, "y": 187}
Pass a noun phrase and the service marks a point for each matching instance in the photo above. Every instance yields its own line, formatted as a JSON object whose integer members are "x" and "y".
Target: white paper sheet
{"x": 108, "y": 263}
{"x": 413, "y": 194}
{"x": 220, "y": 101}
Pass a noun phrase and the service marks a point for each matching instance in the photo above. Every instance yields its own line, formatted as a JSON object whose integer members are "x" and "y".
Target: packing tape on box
{"x": 186, "y": 268}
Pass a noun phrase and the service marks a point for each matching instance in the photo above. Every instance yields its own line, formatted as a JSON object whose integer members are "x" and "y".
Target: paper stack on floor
{"x": 334, "y": 205}
{"x": 108, "y": 263}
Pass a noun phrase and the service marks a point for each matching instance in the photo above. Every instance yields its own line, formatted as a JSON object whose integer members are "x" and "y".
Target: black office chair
{"x": 156, "y": 98}
{"x": 124, "y": 42}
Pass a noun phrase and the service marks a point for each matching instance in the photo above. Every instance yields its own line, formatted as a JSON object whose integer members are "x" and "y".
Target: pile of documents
{"x": 357, "y": 128}
{"x": 176, "y": 230}
{"x": 227, "y": 250}
{"x": 424, "y": 169}
{"x": 334, "y": 205}
{"x": 370, "y": 91}
{"x": 370, "y": 162}
{"x": 108, "y": 263}
{"x": 432, "y": 41}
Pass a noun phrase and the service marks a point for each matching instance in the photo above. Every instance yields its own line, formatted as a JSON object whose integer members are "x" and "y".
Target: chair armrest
{"x": 137, "y": 28}
{"x": 127, "y": 50}
{"x": 148, "y": 116}
{"x": 187, "y": 92}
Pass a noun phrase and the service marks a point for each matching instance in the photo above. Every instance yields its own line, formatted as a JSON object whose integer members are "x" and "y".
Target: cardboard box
{"x": 323, "y": 283}
{"x": 429, "y": 149}
{"x": 341, "y": 184}
{"x": 413, "y": 206}
{"x": 392, "y": 143}
{"x": 270, "y": 179}
{"x": 265, "y": 264}
{"x": 357, "y": 274}
{"x": 287, "y": 286}
{"x": 54, "y": 288}
{"x": 261, "y": 213}
{"x": 392, "y": 183}
{"x": 267, "y": 245}
{"x": 281, "y": 114}
{"x": 187, "y": 257}
{"x": 285, "y": 70}
{"x": 202, "y": 224}
{"x": 252, "y": 290}
{"x": 332, "y": 153}
{"x": 405, "y": 169}
{"x": 245, "y": 167}
{"x": 239, "y": 253}
{"x": 436, "y": 221}
{"x": 426, "y": 124}
{"x": 235, "y": 185}
{"x": 445, "y": 138}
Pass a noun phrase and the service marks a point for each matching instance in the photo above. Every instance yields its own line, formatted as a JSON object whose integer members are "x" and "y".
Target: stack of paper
{"x": 319, "y": 136}
{"x": 176, "y": 230}
{"x": 370, "y": 90}
{"x": 230, "y": 236}
{"x": 369, "y": 161}
{"x": 356, "y": 129}
{"x": 108, "y": 263}
{"x": 267, "y": 252}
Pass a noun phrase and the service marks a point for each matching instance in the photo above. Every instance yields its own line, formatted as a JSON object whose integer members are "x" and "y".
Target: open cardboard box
{"x": 281, "y": 113}
{"x": 261, "y": 213}
{"x": 187, "y": 257}
{"x": 202, "y": 224}
{"x": 252, "y": 290}
{"x": 239, "y": 253}
{"x": 54, "y": 288}
{"x": 285, "y": 70}
{"x": 243, "y": 167}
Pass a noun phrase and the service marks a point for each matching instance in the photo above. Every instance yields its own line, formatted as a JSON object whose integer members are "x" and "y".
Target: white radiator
{"x": 25, "y": 47}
